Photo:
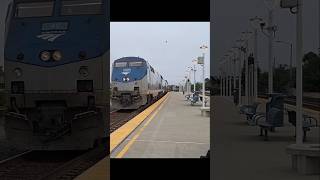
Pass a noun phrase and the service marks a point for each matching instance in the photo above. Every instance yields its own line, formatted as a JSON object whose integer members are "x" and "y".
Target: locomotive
{"x": 134, "y": 83}
{"x": 55, "y": 81}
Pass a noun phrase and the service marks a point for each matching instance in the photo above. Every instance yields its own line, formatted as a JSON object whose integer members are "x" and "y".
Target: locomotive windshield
{"x": 120, "y": 64}
{"x": 81, "y": 7}
{"x": 136, "y": 64}
{"x": 34, "y": 9}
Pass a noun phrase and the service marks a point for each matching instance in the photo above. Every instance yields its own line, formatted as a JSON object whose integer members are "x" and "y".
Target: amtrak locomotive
{"x": 56, "y": 62}
{"x": 135, "y": 83}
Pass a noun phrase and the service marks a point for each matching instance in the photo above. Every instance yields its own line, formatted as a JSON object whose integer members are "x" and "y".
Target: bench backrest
{"x": 276, "y": 101}
{"x": 275, "y": 117}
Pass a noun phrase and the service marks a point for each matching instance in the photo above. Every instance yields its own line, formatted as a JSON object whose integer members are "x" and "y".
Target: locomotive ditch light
{"x": 17, "y": 72}
{"x": 57, "y": 56}
{"x": 20, "y": 56}
{"x": 125, "y": 79}
{"x": 45, "y": 56}
{"x": 84, "y": 71}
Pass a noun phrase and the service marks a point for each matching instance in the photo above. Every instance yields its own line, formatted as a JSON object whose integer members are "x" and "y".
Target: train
{"x": 56, "y": 60}
{"x": 135, "y": 83}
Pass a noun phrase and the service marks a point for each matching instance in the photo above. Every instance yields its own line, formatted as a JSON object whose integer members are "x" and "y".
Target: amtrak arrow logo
{"x": 50, "y": 36}
{"x": 126, "y": 71}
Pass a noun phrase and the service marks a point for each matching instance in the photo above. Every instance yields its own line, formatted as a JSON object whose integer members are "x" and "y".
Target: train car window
{"x": 152, "y": 69}
{"x": 120, "y": 64}
{"x": 135, "y": 64}
{"x": 34, "y": 9}
{"x": 81, "y": 7}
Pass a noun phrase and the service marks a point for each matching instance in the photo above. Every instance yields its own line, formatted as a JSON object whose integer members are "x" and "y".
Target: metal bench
{"x": 307, "y": 123}
{"x": 273, "y": 119}
{"x": 250, "y": 111}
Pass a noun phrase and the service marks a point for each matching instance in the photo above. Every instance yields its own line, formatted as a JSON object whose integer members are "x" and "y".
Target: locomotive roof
{"x": 130, "y": 59}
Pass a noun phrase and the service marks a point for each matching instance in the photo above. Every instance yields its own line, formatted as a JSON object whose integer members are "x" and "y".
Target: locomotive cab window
{"x": 120, "y": 64}
{"x": 81, "y": 7}
{"x": 34, "y": 9}
{"x": 136, "y": 64}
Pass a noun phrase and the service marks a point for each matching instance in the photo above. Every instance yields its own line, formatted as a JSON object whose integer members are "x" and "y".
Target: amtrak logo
{"x": 126, "y": 71}
{"x": 50, "y": 36}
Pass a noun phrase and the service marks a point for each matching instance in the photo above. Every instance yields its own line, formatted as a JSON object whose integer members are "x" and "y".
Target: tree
{"x": 311, "y": 72}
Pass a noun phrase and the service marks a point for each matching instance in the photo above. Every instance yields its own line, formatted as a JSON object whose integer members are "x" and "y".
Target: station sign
{"x": 200, "y": 60}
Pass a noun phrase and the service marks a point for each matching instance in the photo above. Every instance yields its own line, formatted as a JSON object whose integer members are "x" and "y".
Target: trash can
{"x": 276, "y": 100}
{"x": 235, "y": 94}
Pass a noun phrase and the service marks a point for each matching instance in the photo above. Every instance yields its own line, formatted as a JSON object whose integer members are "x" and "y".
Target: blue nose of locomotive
{"x": 128, "y": 70}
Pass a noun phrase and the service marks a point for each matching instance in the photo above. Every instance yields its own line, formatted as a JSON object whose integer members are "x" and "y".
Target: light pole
{"x": 194, "y": 74}
{"x": 255, "y": 23}
{"x": 240, "y": 41}
{"x": 299, "y": 72}
{"x": 233, "y": 69}
{"x": 299, "y": 56}
{"x": 271, "y": 32}
{"x": 203, "y": 47}
{"x": 228, "y": 74}
{"x": 238, "y": 71}
{"x": 221, "y": 85}
{"x": 245, "y": 50}
{"x": 290, "y": 66}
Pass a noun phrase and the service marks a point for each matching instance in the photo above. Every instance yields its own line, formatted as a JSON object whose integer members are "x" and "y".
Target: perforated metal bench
{"x": 268, "y": 122}
{"x": 250, "y": 111}
{"x": 307, "y": 123}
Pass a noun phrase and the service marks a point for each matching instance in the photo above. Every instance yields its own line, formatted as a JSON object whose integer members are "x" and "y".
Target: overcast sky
{"x": 231, "y": 17}
{"x": 171, "y": 58}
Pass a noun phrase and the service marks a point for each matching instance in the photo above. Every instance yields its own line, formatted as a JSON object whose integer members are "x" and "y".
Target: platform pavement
{"x": 177, "y": 130}
{"x": 240, "y": 153}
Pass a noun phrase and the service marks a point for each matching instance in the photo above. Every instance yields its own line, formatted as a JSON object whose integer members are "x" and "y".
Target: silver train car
{"x": 134, "y": 83}
{"x": 56, "y": 83}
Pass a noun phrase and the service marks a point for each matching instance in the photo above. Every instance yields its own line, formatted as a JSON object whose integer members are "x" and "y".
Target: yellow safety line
{"x": 99, "y": 171}
{"x": 126, "y": 148}
{"x": 119, "y": 135}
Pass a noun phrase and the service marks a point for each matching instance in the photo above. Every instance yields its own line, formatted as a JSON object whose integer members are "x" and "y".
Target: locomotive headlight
{"x": 45, "y": 56}
{"x": 125, "y": 79}
{"x": 83, "y": 71}
{"x": 57, "y": 55}
{"x": 17, "y": 72}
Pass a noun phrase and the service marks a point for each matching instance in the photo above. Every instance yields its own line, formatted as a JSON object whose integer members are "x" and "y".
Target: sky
{"x": 169, "y": 47}
{"x": 231, "y": 17}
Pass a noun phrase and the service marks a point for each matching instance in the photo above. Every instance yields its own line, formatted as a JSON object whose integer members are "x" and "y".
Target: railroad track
{"x": 120, "y": 117}
{"x": 40, "y": 165}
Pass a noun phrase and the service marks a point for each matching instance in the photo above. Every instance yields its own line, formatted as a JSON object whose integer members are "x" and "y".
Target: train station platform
{"x": 170, "y": 128}
{"x": 175, "y": 129}
{"x": 240, "y": 153}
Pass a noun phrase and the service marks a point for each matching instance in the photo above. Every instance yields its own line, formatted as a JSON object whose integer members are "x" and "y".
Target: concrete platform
{"x": 240, "y": 153}
{"x": 174, "y": 130}
{"x": 101, "y": 170}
